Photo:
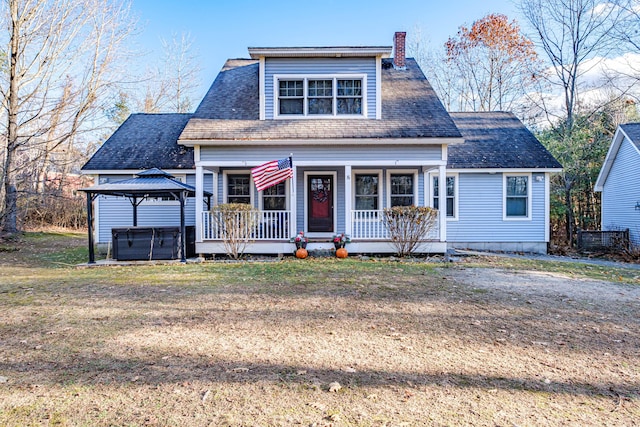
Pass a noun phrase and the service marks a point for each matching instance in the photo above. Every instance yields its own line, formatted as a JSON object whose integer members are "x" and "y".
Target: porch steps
{"x": 322, "y": 253}
{"x": 321, "y": 247}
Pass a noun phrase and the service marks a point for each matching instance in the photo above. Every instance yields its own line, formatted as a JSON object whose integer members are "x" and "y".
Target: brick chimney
{"x": 398, "y": 50}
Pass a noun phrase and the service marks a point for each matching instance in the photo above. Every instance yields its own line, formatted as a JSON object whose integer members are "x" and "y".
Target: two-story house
{"x": 365, "y": 131}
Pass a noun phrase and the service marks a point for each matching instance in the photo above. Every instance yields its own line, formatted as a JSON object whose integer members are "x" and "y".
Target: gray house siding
{"x": 327, "y": 153}
{"x": 275, "y": 66}
{"x": 621, "y": 192}
{"x": 480, "y": 212}
{"x": 117, "y": 212}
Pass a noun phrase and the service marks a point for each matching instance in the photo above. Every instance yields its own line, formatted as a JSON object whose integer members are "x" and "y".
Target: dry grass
{"x": 260, "y": 344}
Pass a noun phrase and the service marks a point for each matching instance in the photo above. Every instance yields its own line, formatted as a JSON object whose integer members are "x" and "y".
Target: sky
{"x": 222, "y": 29}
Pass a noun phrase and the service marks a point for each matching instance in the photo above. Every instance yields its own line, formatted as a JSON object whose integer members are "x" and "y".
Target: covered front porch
{"x": 322, "y": 200}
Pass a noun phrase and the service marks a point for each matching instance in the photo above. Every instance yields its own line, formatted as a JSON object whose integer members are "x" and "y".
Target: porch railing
{"x": 368, "y": 225}
{"x": 267, "y": 225}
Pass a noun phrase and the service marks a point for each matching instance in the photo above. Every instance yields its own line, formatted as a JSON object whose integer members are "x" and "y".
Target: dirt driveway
{"x": 532, "y": 284}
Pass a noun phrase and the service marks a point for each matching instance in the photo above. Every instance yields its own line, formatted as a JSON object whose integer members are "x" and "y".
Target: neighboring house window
{"x": 239, "y": 188}
{"x": 320, "y": 96}
{"x": 517, "y": 196}
{"x": 402, "y": 192}
{"x": 367, "y": 191}
{"x": 450, "y": 194}
{"x": 275, "y": 198}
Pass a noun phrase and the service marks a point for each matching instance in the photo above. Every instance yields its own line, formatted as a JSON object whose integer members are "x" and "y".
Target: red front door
{"x": 320, "y": 203}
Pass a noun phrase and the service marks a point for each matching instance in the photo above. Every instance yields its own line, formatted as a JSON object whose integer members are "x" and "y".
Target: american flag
{"x": 272, "y": 173}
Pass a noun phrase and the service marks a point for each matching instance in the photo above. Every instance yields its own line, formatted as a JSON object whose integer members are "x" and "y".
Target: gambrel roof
{"x": 230, "y": 111}
{"x": 497, "y": 140}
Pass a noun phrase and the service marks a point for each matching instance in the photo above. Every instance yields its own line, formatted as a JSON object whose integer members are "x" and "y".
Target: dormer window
{"x": 320, "y": 96}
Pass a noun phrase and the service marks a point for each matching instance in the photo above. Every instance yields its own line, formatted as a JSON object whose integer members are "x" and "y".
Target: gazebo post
{"x": 92, "y": 256}
{"x": 182, "y": 229}
{"x": 135, "y": 211}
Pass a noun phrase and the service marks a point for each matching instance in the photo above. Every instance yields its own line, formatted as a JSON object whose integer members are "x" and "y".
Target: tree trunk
{"x": 11, "y": 199}
{"x": 569, "y": 212}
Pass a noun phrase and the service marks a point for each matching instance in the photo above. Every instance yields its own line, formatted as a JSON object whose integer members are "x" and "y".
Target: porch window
{"x": 402, "y": 189}
{"x": 275, "y": 198}
{"x": 320, "y": 95}
{"x": 239, "y": 188}
{"x": 367, "y": 192}
{"x": 450, "y": 193}
{"x": 517, "y": 196}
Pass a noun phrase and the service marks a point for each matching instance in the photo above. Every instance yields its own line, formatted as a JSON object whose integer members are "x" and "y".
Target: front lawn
{"x": 263, "y": 343}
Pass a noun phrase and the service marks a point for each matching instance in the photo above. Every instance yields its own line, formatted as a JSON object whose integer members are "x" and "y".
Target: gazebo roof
{"x": 149, "y": 183}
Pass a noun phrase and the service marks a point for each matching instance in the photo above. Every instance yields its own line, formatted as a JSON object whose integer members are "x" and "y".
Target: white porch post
{"x": 199, "y": 202}
{"x": 347, "y": 199}
{"x": 293, "y": 226}
{"x": 442, "y": 201}
{"x": 214, "y": 190}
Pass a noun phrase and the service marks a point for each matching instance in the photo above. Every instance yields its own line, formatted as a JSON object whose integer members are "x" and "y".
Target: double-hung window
{"x": 239, "y": 188}
{"x": 326, "y": 96}
{"x": 402, "y": 189}
{"x": 349, "y": 97}
{"x": 367, "y": 191}
{"x": 517, "y": 196}
{"x": 291, "y": 96}
{"x": 275, "y": 198}
{"x": 450, "y": 195}
{"x": 320, "y": 97}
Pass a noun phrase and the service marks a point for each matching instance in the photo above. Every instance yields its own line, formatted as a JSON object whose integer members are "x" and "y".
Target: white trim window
{"x": 165, "y": 200}
{"x": 324, "y": 96}
{"x": 275, "y": 198}
{"x": 366, "y": 190}
{"x": 403, "y": 188}
{"x": 451, "y": 191}
{"x": 238, "y": 188}
{"x": 517, "y": 196}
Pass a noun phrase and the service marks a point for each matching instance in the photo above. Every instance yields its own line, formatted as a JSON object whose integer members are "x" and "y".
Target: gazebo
{"x": 151, "y": 183}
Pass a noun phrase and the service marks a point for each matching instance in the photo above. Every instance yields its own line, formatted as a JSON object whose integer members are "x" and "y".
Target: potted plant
{"x": 301, "y": 245}
{"x": 300, "y": 240}
{"x": 339, "y": 241}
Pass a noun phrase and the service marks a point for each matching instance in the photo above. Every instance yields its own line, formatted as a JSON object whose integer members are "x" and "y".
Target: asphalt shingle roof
{"x": 145, "y": 141}
{"x": 633, "y": 131}
{"x": 497, "y": 140}
{"x": 230, "y": 110}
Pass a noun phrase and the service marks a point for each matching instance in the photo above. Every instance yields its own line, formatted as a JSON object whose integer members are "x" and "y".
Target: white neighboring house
{"x": 619, "y": 183}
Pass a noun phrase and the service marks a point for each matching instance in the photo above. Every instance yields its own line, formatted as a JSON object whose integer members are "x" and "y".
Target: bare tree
{"x": 171, "y": 87}
{"x": 574, "y": 35}
{"x": 62, "y": 59}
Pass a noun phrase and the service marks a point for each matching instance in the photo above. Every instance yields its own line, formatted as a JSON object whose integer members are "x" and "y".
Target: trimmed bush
{"x": 408, "y": 226}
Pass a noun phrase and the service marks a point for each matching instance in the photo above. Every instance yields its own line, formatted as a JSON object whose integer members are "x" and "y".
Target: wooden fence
{"x": 603, "y": 240}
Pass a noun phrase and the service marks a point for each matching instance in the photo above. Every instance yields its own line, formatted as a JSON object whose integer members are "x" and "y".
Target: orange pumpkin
{"x": 302, "y": 253}
{"x": 341, "y": 253}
